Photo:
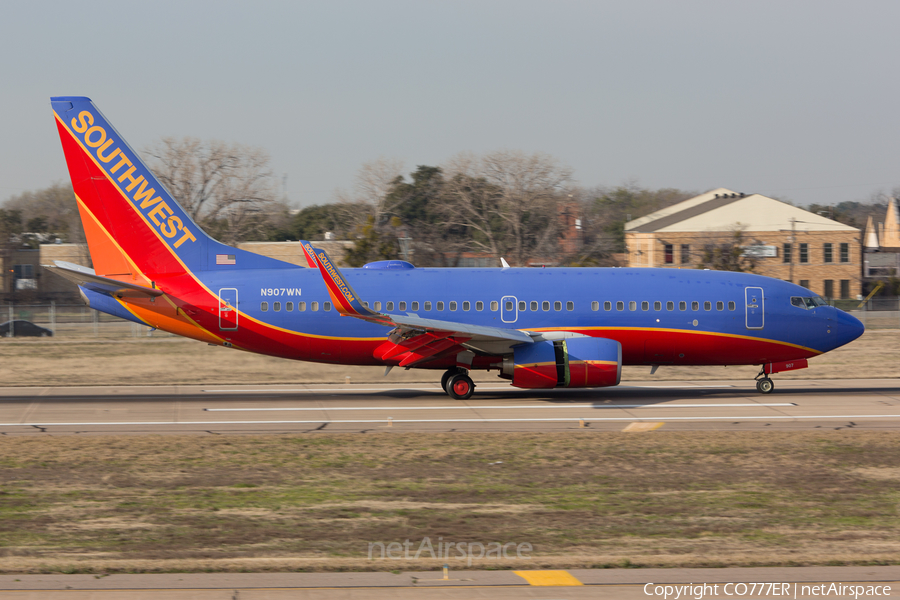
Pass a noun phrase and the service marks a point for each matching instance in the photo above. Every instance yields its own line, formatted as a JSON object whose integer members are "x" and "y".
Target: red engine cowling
{"x": 573, "y": 362}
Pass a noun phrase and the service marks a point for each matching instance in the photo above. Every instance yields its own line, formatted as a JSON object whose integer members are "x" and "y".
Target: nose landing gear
{"x": 764, "y": 385}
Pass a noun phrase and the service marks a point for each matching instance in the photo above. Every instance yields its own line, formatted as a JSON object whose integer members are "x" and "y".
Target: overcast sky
{"x": 792, "y": 99}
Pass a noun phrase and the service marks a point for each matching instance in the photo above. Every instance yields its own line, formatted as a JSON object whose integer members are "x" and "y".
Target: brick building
{"x": 782, "y": 241}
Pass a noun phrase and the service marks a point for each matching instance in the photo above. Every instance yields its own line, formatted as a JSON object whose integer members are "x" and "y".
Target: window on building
{"x": 829, "y": 288}
{"x": 23, "y": 271}
{"x": 804, "y": 253}
{"x": 428, "y": 306}
{"x": 289, "y": 306}
{"x": 557, "y": 305}
{"x": 595, "y": 305}
{"x": 670, "y": 305}
{"x": 607, "y": 305}
{"x": 276, "y": 306}
{"x": 845, "y": 252}
{"x": 826, "y": 252}
{"x": 670, "y": 254}
{"x": 264, "y": 306}
{"x": 453, "y": 305}
{"x": 685, "y": 254}
{"x": 467, "y": 305}
{"x": 495, "y": 305}
{"x": 645, "y": 305}
{"x": 657, "y": 305}
{"x": 570, "y": 305}
{"x": 632, "y": 305}
{"x": 620, "y": 305}
{"x": 786, "y": 253}
{"x": 845, "y": 289}
{"x": 479, "y": 305}
{"x": 804, "y": 283}
{"x": 389, "y": 307}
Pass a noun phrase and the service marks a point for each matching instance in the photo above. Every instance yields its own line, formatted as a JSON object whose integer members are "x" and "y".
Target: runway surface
{"x": 672, "y": 405}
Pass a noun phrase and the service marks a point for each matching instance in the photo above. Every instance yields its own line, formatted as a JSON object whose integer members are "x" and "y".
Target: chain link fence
{"x": 74, "y": 321}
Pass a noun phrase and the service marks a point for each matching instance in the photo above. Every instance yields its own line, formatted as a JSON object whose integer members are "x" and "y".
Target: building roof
{"x": 723, "y": 209}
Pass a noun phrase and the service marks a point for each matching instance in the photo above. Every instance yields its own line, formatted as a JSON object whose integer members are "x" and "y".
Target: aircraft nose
{"x": 849, "y": 327}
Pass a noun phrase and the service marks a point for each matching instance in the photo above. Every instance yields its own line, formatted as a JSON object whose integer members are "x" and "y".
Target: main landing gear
{"x": 764, "y": 385}
{"x": 457, "y": 383}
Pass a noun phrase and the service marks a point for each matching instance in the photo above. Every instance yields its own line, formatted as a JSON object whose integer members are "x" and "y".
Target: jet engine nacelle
{"x": 572, "y": 362}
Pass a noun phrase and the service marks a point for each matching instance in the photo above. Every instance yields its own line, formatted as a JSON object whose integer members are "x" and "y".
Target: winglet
{"x": 344, "y": 297}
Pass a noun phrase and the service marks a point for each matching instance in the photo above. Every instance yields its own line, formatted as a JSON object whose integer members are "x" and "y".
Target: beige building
{"x": 778, "y": 239}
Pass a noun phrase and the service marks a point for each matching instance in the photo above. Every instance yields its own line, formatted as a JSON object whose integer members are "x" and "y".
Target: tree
{"x": 728, "y": 256}
{"x": 372, "y": 188}
{"x": 507, "y": 200}
{"x": 52, "y": 210}
{"x": 228, "y": 189}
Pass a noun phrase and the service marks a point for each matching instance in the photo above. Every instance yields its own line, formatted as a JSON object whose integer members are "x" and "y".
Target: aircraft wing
{"x": 86, "y": 277}
{"x": 413, "y": 339}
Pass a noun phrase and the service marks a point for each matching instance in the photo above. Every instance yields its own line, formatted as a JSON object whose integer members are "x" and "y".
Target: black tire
{"x": 765, "y": 386}
{"x": 447, "y": 375}
{"x": 460, "y": 387}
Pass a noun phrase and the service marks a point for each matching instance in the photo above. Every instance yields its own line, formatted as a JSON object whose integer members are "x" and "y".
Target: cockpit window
{"x": 808, "y": 302}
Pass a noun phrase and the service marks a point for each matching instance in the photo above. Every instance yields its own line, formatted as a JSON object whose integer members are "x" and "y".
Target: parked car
{"x": 23, "y": 328}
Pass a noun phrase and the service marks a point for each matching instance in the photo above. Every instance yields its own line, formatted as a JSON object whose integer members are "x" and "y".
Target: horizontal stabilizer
{"x": 86, "y": 277}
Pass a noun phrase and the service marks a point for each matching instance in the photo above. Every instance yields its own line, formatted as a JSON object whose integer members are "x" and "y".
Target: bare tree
{"x": 506, "y": 198}
{"x": 226, "y": 188}
{"x": 371, "y": 191}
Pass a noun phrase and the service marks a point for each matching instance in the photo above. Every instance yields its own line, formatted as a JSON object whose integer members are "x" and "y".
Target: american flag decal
{"x": 225, "y": 259}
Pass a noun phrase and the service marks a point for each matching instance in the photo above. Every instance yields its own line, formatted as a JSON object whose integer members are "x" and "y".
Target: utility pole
{"x": 793, "y": 232}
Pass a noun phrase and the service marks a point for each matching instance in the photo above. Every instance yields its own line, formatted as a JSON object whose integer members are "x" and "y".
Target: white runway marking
{"x": 511, "y": 407}
{"x": 434, "y": 388}
{"x": 474, "y": 420}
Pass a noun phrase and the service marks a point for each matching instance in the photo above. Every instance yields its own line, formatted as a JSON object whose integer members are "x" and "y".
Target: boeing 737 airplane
{"x": 538, "y": 328}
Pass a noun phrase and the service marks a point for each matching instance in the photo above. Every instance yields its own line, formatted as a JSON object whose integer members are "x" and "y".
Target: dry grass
{"x": 314, "y": 501}
{"x": 169, "y": 360}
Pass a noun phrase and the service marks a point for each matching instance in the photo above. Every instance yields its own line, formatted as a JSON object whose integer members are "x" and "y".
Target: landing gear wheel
{"x": 765, "y": 386}
{"x": 460, "y": 387}
{"x": 450, "y": 373}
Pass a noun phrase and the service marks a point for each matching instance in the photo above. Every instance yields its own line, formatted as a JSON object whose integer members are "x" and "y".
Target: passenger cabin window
{"x": 545, "y": 305}
{"x": 428, "y": 306}
{"x": 607, "y": 305}
{"x": 731, "y": 305}
{"x": 682, "y": 305}
{"x": 645, "y": 305}
{"x": 301, "y": 306}
{"x": 695, "y": 305}
{"x": 390, "y": 307}
{"x": 289, "y": 306}
{"x": 632, "y": 305}
{"x": 707, "y": 305}
{"x": 479, "y": 305}
{"x": 720, "y": 305}
{"x": 557, "y": 305}
{"x": 620, "y": 305}
{"x": 276, "y": 306}
{"x": 570, "y": 305}
{"x": 495, "y": 305}
{"x": 440, "y": 306}
{"x": 509, "y": 304}
{"x": 415, "y": 306}
{"x": 453, "y": 305}
{"x": 595, "y": 306}
{"x": 534, "y": 306}
{"x": 657, "y": 305}
{"x": 670, "y": 305}
{"x": 402, "y": 306}
{"x": 377, "y": 306}
{"x": 314, "y": 306}
{"x": 326, "y": 306}
{"x": 264, "y": 306}
{"x": 522, "y": 305}
{"x": 467, "y": 305}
